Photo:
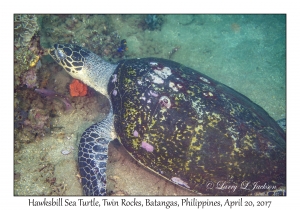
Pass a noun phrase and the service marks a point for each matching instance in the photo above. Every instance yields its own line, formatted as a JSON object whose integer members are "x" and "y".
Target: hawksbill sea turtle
{"x": 181, "y": 124}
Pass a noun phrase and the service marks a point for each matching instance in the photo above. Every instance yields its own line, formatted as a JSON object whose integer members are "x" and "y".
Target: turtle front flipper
{"x": 92, "y": 156}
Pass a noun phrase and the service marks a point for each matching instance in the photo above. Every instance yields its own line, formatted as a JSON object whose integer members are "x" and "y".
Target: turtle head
{"x": 71, "y": 57}
{"x": 83, "y": 65}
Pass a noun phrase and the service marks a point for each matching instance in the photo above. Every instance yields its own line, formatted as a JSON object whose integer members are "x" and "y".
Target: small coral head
{"x": 77, "y": 88}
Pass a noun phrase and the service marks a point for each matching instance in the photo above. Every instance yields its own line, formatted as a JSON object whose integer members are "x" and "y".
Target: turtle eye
{"x": 60, "y": 54}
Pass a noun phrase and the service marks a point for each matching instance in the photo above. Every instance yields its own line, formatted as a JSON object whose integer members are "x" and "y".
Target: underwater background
{"x": 245, "y": 52}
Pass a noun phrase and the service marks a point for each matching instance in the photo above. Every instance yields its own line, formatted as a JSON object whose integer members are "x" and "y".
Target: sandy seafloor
{"x": 245, "y": 52}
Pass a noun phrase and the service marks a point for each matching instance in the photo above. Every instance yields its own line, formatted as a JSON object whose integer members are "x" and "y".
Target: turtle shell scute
{"x": 201, "y": 131}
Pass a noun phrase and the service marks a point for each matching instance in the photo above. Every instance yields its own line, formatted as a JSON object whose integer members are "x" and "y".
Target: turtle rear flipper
{"x": 92, "y": 156}
{"x": 282, "y": 123}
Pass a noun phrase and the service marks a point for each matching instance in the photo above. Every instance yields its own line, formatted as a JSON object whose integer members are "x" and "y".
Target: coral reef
{"x": 29, "y": 78}
{"x": 27, "y": 50}
{"x": 37, "y": 119}
{"x": 31, "y": 117}
{"x": 90, "y": 31}
{"x": 22, "y": 59}
{"x": 77, "y": 88}
{"x": 19, "y": 117}
{"x": 25, "y": 27}
{"x": 50, "y": 94}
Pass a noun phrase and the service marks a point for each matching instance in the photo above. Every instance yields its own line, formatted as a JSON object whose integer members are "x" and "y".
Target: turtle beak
{"x": 53, "y": 53}
{"x": 53, "y": 49}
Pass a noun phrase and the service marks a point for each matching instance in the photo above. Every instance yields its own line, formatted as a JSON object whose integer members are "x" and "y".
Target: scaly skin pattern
{"x": 92, "y": 156}
{"x": 198, "y": 132}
